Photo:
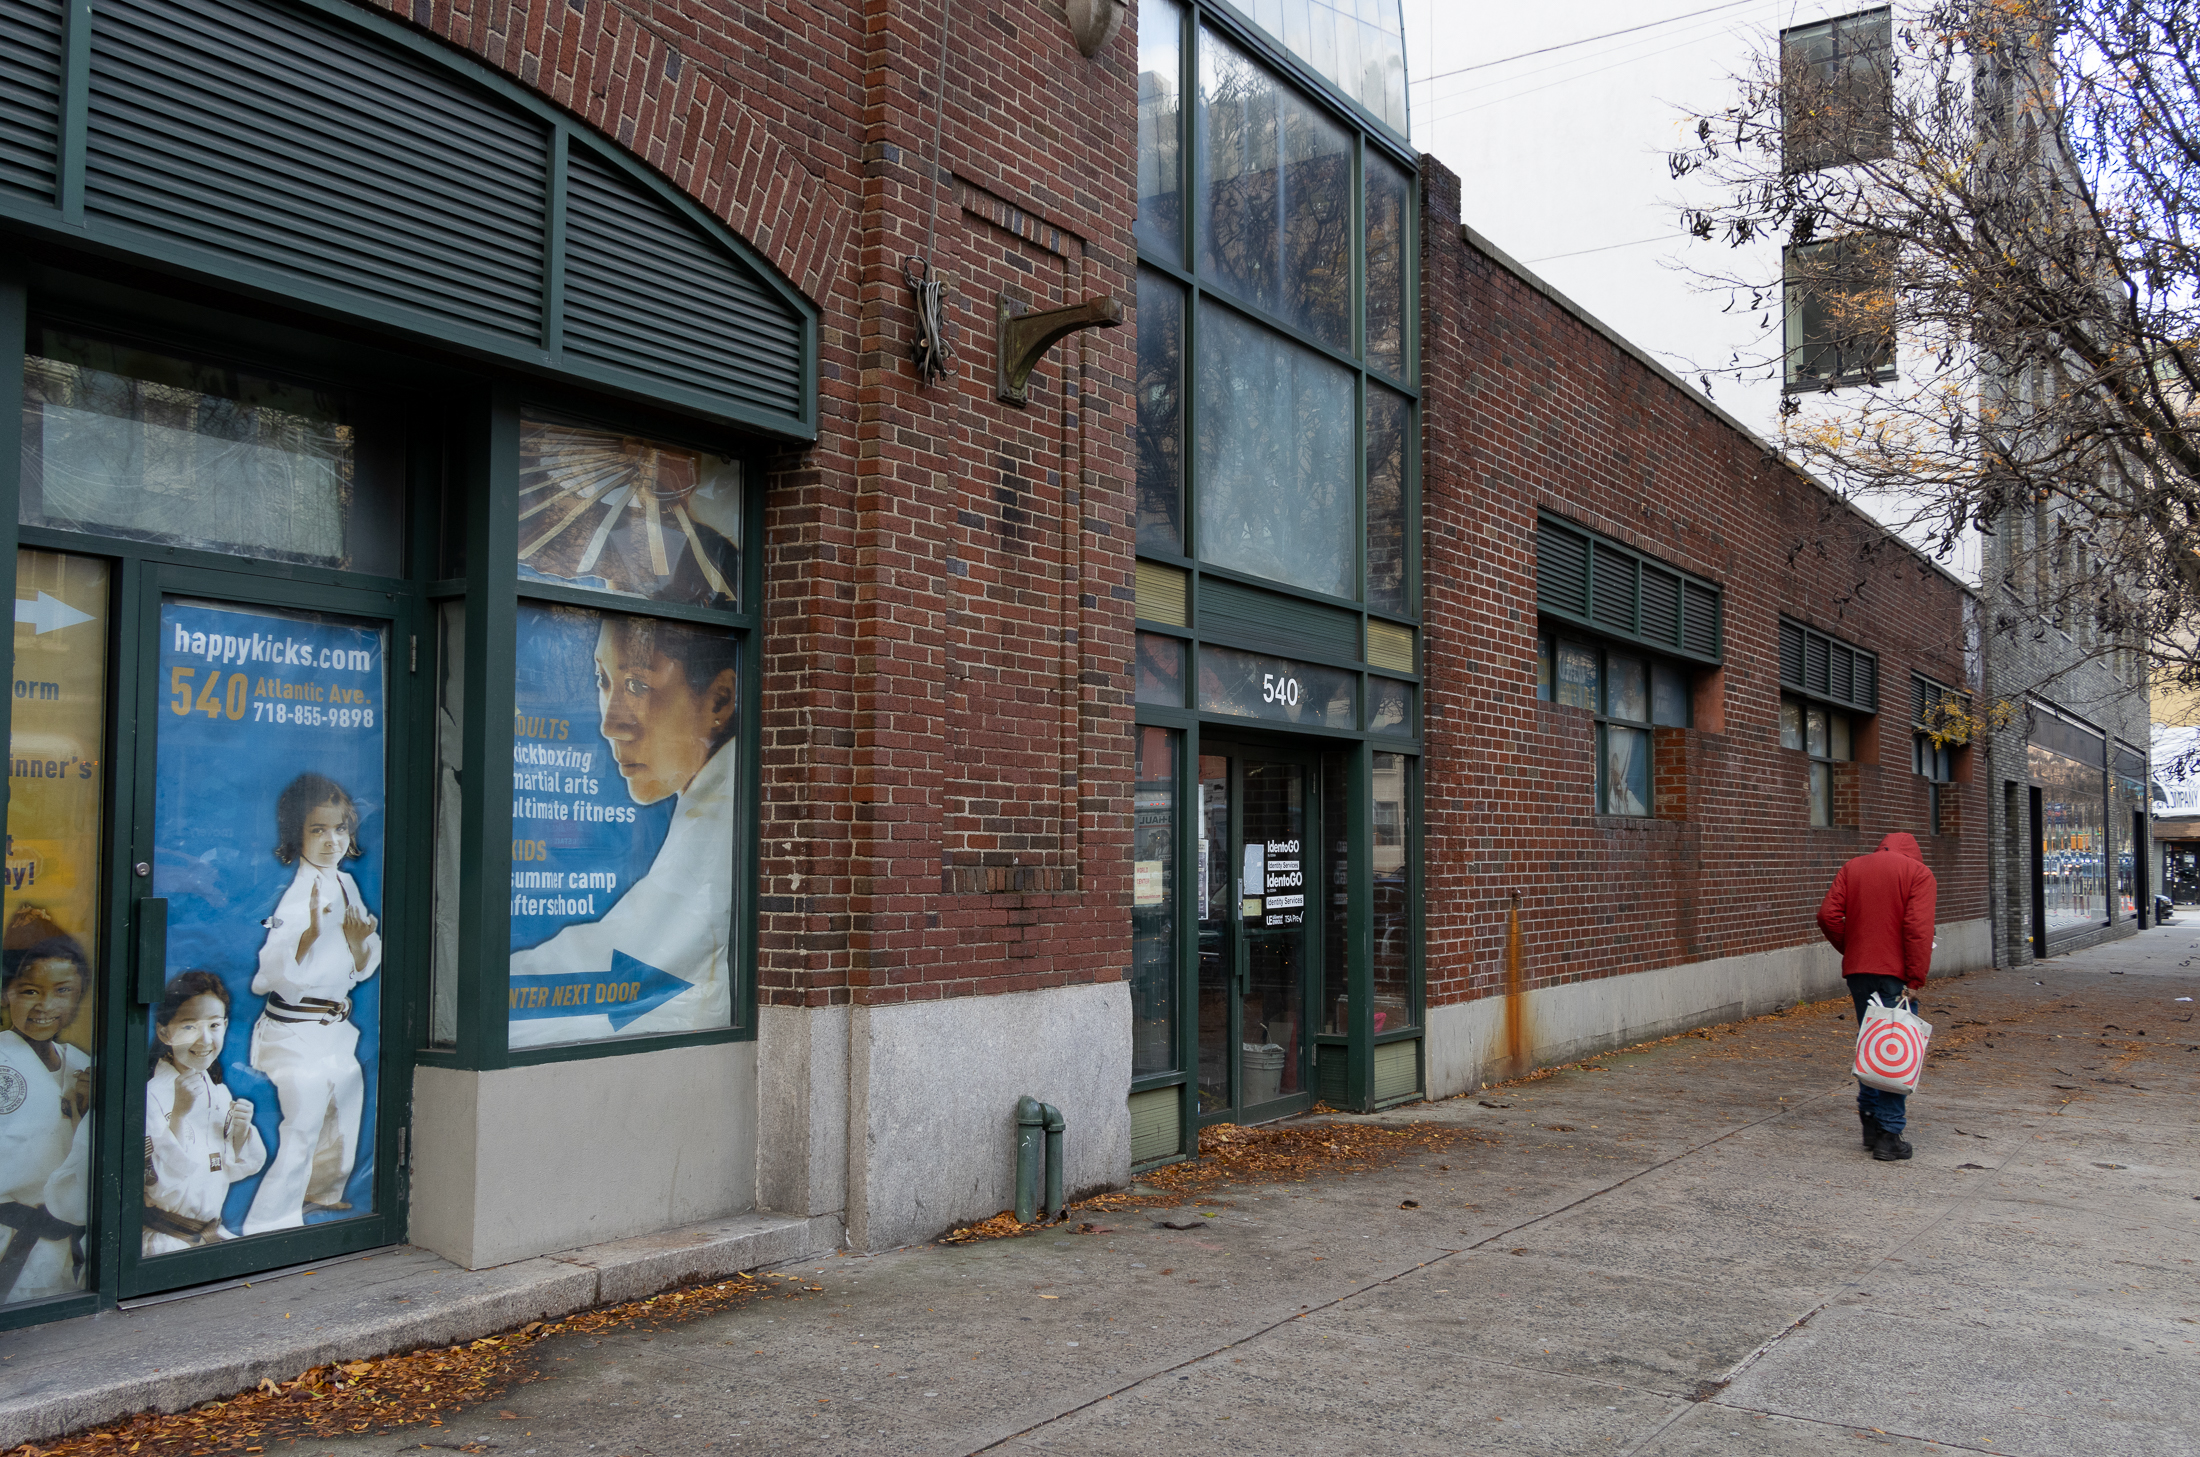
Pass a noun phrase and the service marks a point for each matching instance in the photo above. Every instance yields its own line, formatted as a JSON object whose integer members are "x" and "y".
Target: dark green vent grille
{"x": 319, "y": 151}
{"x": 279, "y": 139}
{"x": 30, "y": 96}
{"x": 1700, "y": 631}
{"x": 1561, "y": 571}
{"x": 646, "y": 293}
{"x": 1618, "y": 592}
{"x": 1270, "y": 619}
{"x": 1814, "y": 664}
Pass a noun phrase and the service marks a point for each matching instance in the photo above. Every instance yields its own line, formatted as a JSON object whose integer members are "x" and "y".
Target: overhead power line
{"x": 1585, "y": 40}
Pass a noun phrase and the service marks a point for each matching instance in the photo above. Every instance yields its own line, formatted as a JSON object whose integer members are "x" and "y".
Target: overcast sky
{"x": 1562, "y": 155}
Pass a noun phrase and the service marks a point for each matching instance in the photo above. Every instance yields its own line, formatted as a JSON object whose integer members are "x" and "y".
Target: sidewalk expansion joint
{"x": 1441, "y": 1256}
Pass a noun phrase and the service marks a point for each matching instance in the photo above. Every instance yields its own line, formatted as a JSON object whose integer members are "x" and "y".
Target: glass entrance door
{"x": 260, "y": 902}
{"x": 1259, "y": 931}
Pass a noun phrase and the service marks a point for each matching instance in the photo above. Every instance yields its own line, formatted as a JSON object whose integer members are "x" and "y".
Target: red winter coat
{"x": 1879, "y": 913}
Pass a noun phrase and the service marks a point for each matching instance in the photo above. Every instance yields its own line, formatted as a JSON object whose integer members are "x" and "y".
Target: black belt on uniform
{"x": 312, "y": 1009}
{"x": 27, "y": 1225}
{"x": 168, "y": 1222}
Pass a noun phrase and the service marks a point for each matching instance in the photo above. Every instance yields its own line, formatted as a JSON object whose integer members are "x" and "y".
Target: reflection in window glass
{"x": 1387, "y": 415}
{"x": 1277, "y": 498}
{"x": 1389, "y": 705}
{"x": 1160, "y": 670}
{"x": 1821, "y": 793}
{"x": 2073, "y": 834}
{"x": 1393, "y": 904}
{"x": 1626, "y": 687}
{"x": 450, "y": 726}
{"x": 1543, "y": 668}
{"x": 1814, "y": 731}
{"x": 1577, "y": 675}
{"x": 1275, "y": 221}
{"x": 1160, "y": 413}
{"x": 1359, "y": 45}
{"x": 1840, "y": 745}
{"x": 1153, "y": 905}
{"x": 625, "y": 779}
{"x": 1387, "y": 216}
{"x": 1160, "y": 225}
{"x": 130, "y": 443}
{"x": 1334, "y": 870}
{"x": 1669, "y": 696}
{"x": 51, "y": 943}
{"x": 620, "y": 514}
{"x": 1626, "y": 770}
{"x": 1253, "y": 685}
{"x": 1791, "y": 723}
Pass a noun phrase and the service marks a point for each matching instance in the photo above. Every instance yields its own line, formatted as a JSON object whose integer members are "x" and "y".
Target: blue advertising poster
{"x": 623, "y": 797}
{"x": 269, "y": 821}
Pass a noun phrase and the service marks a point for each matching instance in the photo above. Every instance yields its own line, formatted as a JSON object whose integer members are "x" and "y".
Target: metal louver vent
{"x": 1612, "y": 589}
{"x": 330, "y": 161}
{"x": 323, "y": 154}
{"x": 1700, "y": 634}
{"x": 647, "y": 293}
{"x": 30, "y": 96}
{"x": 1561, "y": 570}
{"x": 1619, "y": 592}
{"x": 1661, "y": 605}
{"x": 1814, "y": 664}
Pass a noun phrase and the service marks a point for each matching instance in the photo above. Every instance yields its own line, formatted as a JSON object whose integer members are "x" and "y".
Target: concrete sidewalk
{"x": 1683, "y": 1250}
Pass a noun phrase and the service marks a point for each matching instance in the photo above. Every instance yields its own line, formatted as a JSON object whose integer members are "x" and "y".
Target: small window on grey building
{"x": 1837, "y": 91}
{"x": 1840, "y": 313}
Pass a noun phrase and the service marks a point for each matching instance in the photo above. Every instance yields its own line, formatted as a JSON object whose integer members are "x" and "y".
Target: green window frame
{"x": 1589, "y": 582}
{"x": 490, "y": 591}
{"x": 1825, "y": 686}
{"x": 1629, "y": 693}
{"x": 1205, "y": 603}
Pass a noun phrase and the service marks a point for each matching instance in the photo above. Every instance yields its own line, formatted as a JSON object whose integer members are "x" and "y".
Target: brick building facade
{"x": 1554, "y": 928}
{"x": 1212, "y": 732}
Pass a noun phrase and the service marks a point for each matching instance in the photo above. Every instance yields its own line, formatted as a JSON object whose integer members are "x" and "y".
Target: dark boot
{"x": 1890, "y": 1147}
{"x": 1871, "y": 1128}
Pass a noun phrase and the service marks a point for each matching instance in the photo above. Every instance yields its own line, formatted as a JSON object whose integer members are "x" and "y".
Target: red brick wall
{"x": 1529, "y": 407}
{"x": 946, "y": 750}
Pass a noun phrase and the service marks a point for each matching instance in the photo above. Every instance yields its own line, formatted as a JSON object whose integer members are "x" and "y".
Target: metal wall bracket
{"x": 1022, "y": 337}
{"x": 1093, "y": 23}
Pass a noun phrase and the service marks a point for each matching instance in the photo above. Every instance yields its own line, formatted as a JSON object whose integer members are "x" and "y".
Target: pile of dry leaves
{"x": 351, "y": 1398}
{"x": 1268, "y": 1154}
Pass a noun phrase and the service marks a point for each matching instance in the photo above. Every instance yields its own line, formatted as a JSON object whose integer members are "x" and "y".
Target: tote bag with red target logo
{"x": 1890, "y": 1047}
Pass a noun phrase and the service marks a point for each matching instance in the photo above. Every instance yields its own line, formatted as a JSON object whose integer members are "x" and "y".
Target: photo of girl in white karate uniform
{"x": 45, "y": 1093}
{"x": 321, "y": 943}
{"x": 198, "y": 1138}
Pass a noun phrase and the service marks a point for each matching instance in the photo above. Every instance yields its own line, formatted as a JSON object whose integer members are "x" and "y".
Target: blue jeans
{"x": 1889, "y": 1110}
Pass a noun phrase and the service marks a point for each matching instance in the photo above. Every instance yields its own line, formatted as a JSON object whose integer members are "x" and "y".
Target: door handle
{"x": 152, "y": 948}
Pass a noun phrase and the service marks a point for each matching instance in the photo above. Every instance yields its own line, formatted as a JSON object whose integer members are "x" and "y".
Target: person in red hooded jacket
{"x": 1879, "y": 916}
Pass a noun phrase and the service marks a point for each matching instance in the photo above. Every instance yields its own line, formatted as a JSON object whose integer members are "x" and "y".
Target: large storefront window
{"x": 126, "y": 441}
{"x": 2073, "y": 833}
{"x": 49, "y": 1051}
{"x": 625, "y": 761}
{"x": 1278, "y": 510}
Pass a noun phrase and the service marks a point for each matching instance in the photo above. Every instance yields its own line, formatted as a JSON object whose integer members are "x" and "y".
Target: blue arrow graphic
{"x": 628, "y": 990}
{"x": 48, "y": 614}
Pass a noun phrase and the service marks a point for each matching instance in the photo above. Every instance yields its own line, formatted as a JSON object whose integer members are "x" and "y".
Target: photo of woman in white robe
{"x": 199, "y": 1139}
{"x": 321, "y": 943}
{"x": 668, "y": 698}
{"x": 45, "y": 1094}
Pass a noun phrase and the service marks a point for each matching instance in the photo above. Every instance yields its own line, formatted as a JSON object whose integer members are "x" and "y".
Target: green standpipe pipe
{"x": 1054, "y": 1126}
{"x": 1030, "y": 1150}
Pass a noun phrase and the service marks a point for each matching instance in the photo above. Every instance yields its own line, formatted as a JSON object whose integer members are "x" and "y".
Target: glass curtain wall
{"x": 1277, "y": 437}
{"x": 2073, "y": 838}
